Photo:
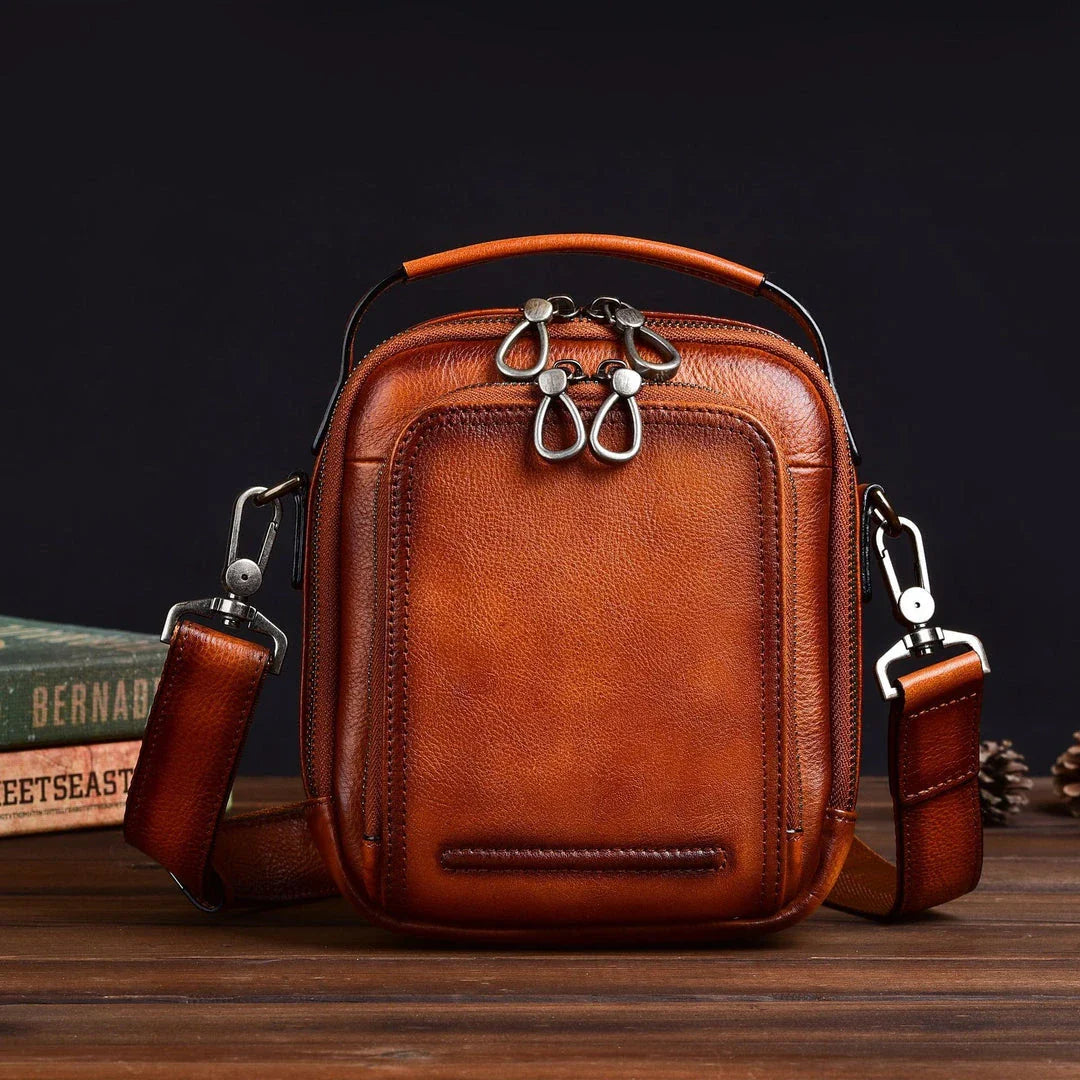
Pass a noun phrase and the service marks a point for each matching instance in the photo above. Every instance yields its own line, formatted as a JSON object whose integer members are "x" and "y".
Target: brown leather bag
{"x": 561, "y": 685}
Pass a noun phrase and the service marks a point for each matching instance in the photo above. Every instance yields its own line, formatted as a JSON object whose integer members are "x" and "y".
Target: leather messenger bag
{"x": 581, "y": 655}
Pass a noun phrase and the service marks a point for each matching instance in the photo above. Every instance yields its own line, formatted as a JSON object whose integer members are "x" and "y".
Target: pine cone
{"x": 1004, "y": 781}
{"x": 1066, "y": 774}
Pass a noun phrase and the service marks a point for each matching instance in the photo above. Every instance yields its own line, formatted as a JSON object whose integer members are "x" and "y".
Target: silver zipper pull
{"x": 624, "y": 383}
{"x": 553, "y": 385}
{"x": 537, "y": 312}
{"x": 628, "y": 322}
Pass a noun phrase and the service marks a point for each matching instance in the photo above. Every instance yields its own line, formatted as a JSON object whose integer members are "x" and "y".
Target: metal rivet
{"x": 916, "y": 605}
{"x": 552, "y": 382}
{"x": 628, "y": 318}
{"x": 538, "y": 310}
{"x": 625, "y": 382}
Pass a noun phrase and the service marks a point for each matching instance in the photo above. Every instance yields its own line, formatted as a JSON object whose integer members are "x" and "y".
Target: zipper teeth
{"x": 313, "y": 606}
{"x": 853, "y": 671}
{"x": 683, "y": 323}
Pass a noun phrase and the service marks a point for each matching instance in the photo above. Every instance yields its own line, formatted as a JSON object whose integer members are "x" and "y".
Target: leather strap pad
{"x": 185, "y": 772}
{"x": 933, "y": 777}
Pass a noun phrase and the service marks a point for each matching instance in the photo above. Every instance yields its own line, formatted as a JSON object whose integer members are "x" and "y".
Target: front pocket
{"x": 583, "y": 674}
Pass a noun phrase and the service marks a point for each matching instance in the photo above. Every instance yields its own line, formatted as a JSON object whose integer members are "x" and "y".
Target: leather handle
{"x": 667, "y": 256}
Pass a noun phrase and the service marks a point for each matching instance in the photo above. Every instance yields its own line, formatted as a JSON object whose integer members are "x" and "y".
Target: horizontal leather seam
{"x": 968, "y": 772}
{"x": 579, "y": 860}
{"x": 957, "y": 780}
{"x": 564, "y": 869}
{"x": 673, "y": 853}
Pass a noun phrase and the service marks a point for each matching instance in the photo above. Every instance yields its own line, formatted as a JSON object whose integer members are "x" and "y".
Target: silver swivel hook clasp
{"x": 242, "y": 577}
{"x": 914, "y": 605}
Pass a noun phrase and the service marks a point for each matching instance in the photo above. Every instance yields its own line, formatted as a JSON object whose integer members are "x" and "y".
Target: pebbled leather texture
{"x": 571, "y": 702}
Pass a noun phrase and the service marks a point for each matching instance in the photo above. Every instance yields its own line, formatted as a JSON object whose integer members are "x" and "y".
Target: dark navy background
{"x": 195, "y": 196}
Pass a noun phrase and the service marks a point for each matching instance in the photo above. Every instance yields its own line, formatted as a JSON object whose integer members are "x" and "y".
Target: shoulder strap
{"x": 191, "y": 747}
{"x": 201, "y": 714}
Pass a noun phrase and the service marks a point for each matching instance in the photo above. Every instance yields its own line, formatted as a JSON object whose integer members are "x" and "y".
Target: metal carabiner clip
{"x": 242, "y": 577}
{"x": 913, "y": 607}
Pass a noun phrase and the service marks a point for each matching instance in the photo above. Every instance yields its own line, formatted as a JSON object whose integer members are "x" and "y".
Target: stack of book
{"x": 73, "y": 704}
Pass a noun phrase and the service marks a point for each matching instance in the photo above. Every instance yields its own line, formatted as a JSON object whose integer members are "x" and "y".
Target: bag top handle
{"x": 667, "y": 256}
{"x": 683, "y": 260}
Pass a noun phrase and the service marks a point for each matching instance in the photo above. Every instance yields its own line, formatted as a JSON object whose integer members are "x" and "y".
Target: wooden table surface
{"x": 105, "y": 970}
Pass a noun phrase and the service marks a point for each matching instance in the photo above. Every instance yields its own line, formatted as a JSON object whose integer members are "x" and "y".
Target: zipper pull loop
{"x": 630, "y": 324}
{"x": 624, "y": 383}
{"x": 553, "y": 385}
{"x": 537, "y": 313}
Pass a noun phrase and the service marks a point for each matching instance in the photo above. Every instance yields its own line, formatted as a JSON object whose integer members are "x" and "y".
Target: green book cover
{"x": 74, "y": 684}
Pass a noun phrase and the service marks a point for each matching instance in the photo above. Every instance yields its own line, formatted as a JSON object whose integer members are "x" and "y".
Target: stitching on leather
{"x": 672, "y": 853}
{"x": 262, "y": 817}
{"x": 778, "y": 688}
{"x": 364, "y": 779}
{"x": 944, "y": 704}
{"x": 794, "y": 647}
{"x": 391, "y": 666}
{"x": 657, "y": 872}
{"x": 975, "y": 821}
{"x": 553, "y": 867}
{"x": 463, "y": 415}
{"x": 966, "y": 774}
{"x": 764, "y": 722}
{"x": 405, "y": 661}
{"x": 906, "y": 884}
{"x": 969, "y": 769}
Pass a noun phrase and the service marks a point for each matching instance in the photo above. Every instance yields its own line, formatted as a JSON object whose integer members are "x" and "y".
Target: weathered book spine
{"x": 65, "y": 787}
{"x": 48, "y": 704}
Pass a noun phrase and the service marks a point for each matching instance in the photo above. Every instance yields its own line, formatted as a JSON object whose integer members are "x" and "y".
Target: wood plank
{"x": 780, "y": 1038}
{"x": 553, "y": 979}
{"x": 105, "y": 969}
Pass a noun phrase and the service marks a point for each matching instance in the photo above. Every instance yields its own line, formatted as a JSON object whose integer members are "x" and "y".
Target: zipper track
{"x": 704, "y": 322}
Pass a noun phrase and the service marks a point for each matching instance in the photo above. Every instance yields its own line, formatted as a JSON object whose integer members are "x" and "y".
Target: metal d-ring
{"x": 625, "y": 383}
{"x": 553, "y": 385}
{"x": 537, "y": 312}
